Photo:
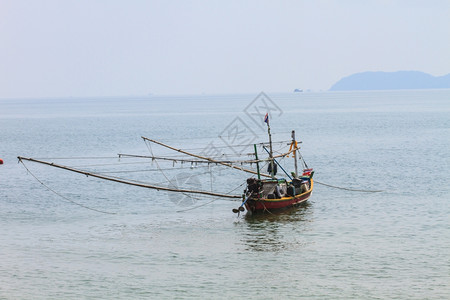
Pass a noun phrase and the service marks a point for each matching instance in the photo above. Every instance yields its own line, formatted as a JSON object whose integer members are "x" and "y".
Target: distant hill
{"x": 391, "y": 81}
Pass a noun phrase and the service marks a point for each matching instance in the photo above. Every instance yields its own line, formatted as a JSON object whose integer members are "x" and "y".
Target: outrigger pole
{"x": 127, "y": 181}
{"x": 216, "y": 161}
{"x": 202, "y": 157}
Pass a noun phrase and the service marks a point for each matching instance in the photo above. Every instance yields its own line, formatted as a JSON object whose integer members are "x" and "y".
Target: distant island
{"x": 401, "y": 80}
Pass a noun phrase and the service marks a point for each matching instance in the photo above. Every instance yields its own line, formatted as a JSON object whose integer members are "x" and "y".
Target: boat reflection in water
{"x": 274, "y": 232}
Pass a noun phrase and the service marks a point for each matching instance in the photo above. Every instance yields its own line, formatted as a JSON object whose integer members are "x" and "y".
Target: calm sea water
{"x": 341, "y": 245}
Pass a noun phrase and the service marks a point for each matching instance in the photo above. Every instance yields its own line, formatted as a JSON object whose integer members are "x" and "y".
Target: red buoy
{"x": 1, "y": 161}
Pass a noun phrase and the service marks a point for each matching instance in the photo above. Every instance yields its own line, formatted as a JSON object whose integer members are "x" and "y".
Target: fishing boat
{"x": 264, "y": 191}
{"x": 268, "y": 195}
{"x": 275, "y": 194}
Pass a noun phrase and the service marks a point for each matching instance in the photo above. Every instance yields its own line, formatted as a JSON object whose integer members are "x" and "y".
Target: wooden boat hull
{"x": 254, "y": 205}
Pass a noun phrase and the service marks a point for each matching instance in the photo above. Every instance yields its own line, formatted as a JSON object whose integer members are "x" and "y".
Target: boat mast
{"x": 294, "y": 144}
{"x": 266, "y": 119}
{"x": 257, "y": 162}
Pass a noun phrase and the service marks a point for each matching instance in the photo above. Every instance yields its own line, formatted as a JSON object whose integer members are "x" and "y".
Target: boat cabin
{"x": 277, "y": 188}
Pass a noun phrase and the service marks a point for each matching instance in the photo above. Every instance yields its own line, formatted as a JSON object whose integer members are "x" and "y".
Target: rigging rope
{"x": 149, "y": 147}
{"x": 151, "y": 170}
{"x": 348, "y": 189}
{"x": 227, "y": 146}
{"x": 252, "y": 161}
{"x": 63, "y": 197}
{"x": 127, "y": 181}
{"x": 77, "y": 157}
{"x": 204, "y": 204}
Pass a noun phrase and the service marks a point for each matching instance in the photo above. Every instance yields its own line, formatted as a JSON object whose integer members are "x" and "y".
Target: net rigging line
{"x": 178, "y": 177}
{"x": 147, "y": 140}
{"x": 348, "y": 189}
{"x": 171, "y": 183}
{"x": 203, "y": 161}
{"x": 62, "y": 196}
{"x": 186, "y": 168}
{"x": 238, "y": 145}
{"x": 77, "y": 157}
{"x": 149, "y": 147}
{"x": 152, "y": 170}
{"x": 204, "y": 204}
{"x": 126, "y": 181}
{"x": 148, "y": 143}
{"x": 210, "y": 138}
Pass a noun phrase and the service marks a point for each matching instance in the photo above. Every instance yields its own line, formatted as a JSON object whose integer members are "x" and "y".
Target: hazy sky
{"x": 75, "y": 48}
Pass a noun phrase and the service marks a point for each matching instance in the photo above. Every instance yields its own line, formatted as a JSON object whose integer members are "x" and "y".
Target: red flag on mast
{"x": 266, "y": 118}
